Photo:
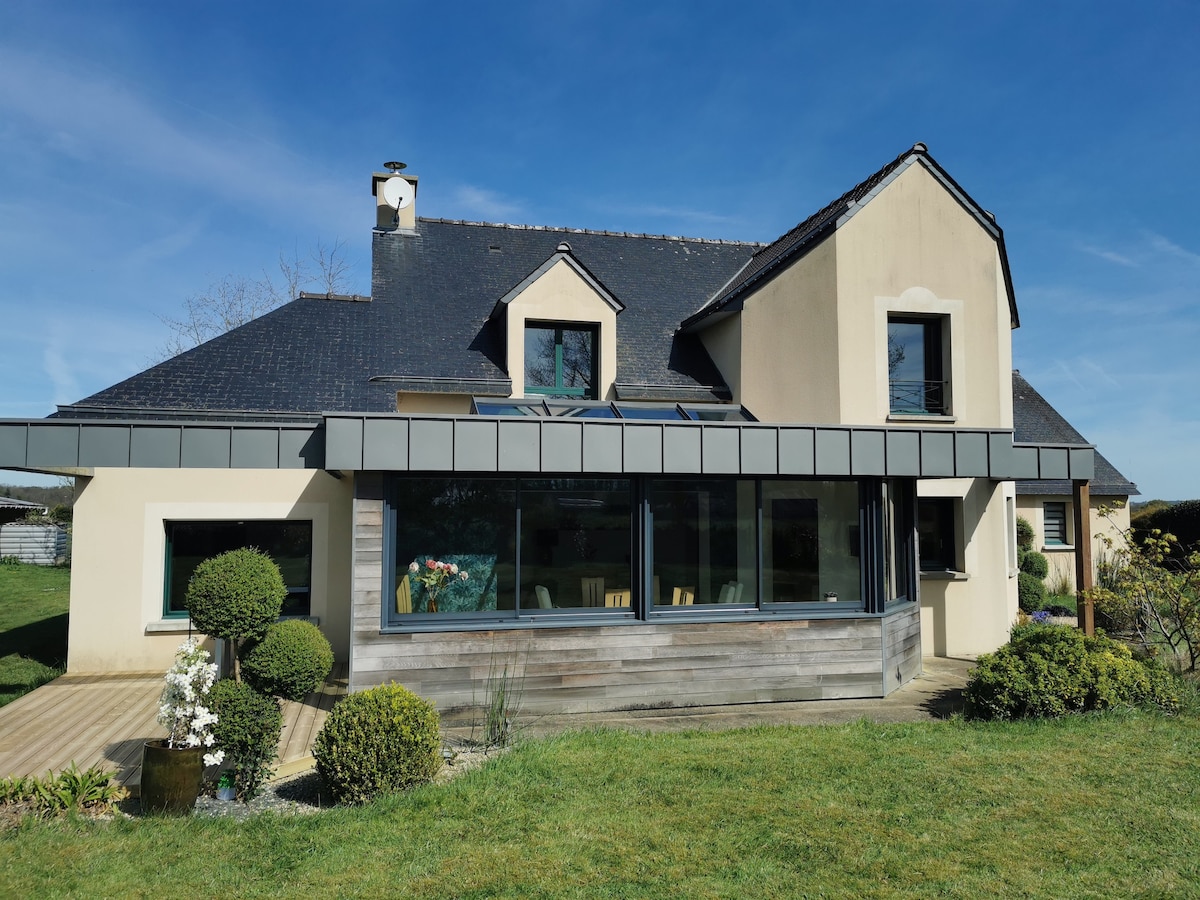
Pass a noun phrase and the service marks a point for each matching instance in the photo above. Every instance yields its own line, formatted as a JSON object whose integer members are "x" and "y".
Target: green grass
{"x": 1067, "y": 600}
{"x": 33, "y": 627}
{"x": 1096, "y": 806}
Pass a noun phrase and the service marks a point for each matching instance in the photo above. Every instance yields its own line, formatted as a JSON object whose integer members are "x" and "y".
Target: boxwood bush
{"x": 1035, "y": 564}
{"x": 235, "y": 595}
{"x": 247, "y": 729}
{"x": 292, "y": 660}
{"x": 1031, "y": 592}
{"x": 378, "y": 741}
{"x": 1049, "y": 670}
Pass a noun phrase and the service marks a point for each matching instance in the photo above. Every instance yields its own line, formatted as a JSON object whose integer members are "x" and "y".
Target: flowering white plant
{"x": 182, "y": 709}
{"x": 435, "y": 575}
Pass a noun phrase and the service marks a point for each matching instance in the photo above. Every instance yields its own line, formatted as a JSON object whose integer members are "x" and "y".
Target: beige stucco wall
{"x": 788, "y": 365}
{"x": 1062, "y": 559}
{"x": 974, "y": 612}
{"x": 560, "y": 294}
{"x": 416, "y": 403}
{"x": 117, "y": 569}
{"x": 813, "y": 340}
{"x": 914, "y": 248}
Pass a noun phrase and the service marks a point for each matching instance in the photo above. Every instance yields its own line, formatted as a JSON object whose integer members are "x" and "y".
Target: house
{"x": 667, "y": 470}
{"x": 1049, "y": 505}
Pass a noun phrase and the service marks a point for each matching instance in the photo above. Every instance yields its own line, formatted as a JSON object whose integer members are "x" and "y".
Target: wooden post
{"x": 1081, "y": 495}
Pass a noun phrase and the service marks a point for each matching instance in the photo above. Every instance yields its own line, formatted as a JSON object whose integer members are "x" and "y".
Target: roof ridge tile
{"x": 569, "y": 230}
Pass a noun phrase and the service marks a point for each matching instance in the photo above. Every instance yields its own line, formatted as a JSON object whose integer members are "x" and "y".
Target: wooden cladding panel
{"x": 901, "y": 647}
{"x": 609, "y": 667}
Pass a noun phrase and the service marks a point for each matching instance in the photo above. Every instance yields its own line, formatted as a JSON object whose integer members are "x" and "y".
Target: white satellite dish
{"x": 398, "y": 192}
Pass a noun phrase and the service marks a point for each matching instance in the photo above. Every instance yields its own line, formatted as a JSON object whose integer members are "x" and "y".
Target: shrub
{"x": 1031, "y": 593}
{"x": 1180, "y": 519}
{"x": 236, "y": 595}
{"x": 1055, "y": 609}
{"x": 1024, "y": 533}
{"x": 378, "y": 741}
{"x": 1035, "y": 564}
{"x": 69, "y": 790}
{"x": 292, "y": 660}
{"x": 247, "y": 729}
{"x": 1049, "y": 670}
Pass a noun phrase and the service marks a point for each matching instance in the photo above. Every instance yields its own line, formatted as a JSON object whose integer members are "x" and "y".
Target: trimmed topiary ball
{"x": 236, "y": 595}
{"x": 247, "y": 729}
{"x": 1031, "y": 592}
{"x": 1035, "y": 564}
{"x": 292, "y": 660}
{"x": 376, "y": 742}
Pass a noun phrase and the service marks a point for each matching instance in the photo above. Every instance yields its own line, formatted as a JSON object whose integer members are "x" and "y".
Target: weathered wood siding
{"x": 590, "y": 668}
{"x": 901, "y": 646}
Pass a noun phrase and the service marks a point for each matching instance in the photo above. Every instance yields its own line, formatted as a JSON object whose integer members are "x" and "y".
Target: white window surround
{"x": 920, "y": 301}
{"x": 154, "y": 549}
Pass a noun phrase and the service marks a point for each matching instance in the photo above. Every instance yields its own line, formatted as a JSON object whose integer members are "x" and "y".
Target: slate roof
{"x": 774, "y": 257}
{"x": 1035, "y": 421}
{"x": 427, "y": 327}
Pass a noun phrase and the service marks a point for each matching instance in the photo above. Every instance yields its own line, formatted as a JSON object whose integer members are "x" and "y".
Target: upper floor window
{"x": 917, "y": 370}
{"x": 1054, "y": 523}
{"x": 560, "y": 360}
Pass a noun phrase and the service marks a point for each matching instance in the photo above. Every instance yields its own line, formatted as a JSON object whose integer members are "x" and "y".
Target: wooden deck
{"x": 103, "y": 720}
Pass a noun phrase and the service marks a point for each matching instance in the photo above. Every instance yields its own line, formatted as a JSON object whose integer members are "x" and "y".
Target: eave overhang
{"x": 483, "y": 444}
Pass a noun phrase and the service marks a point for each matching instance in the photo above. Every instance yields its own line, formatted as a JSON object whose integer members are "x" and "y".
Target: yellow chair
{"x": 683, "y": 596}
{"x": 403, "y": 595}
{"x": 613, "y": 599}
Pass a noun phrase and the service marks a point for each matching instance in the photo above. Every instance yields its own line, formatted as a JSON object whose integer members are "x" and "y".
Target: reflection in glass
{"x": 289, "y": 543}
{"x": 560, "y": 361}
{"x": 576, "y": 544}
{"x": 811, "y": 542}
{"x": 704, "y": 542}
{"x": 463, "y": 521}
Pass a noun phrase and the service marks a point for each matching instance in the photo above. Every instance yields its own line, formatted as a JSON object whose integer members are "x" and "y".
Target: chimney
{"x": 395, "y": 205}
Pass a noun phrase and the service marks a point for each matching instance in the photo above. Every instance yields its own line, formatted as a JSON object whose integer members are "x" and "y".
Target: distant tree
{"x": 236, "y": 299}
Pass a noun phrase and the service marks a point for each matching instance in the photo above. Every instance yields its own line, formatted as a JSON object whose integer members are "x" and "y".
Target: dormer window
{"x": 561, "y": 360}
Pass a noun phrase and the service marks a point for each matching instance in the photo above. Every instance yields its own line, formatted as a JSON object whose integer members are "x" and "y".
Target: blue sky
{"x": 148, "y": 149}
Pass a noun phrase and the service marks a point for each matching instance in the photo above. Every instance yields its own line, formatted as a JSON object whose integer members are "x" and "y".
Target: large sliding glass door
{"x": 540, "y": 548}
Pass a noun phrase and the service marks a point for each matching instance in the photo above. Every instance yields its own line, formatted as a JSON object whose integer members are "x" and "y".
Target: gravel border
{"x": 301, "y": 794}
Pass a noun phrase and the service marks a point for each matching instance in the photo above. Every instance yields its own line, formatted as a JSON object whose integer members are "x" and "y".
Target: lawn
{"x": 33, "y": 627}
{"x": 1090, "y": 806}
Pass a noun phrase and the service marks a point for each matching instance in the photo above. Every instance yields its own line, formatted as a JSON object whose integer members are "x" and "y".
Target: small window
{"x": 916, "y": 366}
{"x": 936, "y": 535}
{"x": 1054, "y": 523}
{"x": 289, "y": 543}
{"x": 560, "y": 361}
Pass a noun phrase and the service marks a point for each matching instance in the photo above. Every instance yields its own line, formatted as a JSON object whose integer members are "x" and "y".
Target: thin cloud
{"x": 81, "y": 117}
{"x": 481, "y": 203}
{"x": 1164, "y": 245}
{"x": 1109, "y": 255}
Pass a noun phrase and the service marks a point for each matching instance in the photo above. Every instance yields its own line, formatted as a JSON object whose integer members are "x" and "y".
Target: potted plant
{"x": 172, "y": 768}
{"x": 226, "y": 787}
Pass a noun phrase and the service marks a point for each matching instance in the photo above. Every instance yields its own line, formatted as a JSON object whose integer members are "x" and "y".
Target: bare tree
{"x": 236, "y": 299}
